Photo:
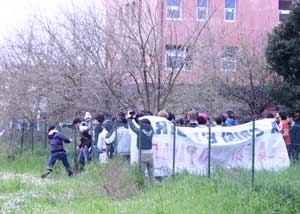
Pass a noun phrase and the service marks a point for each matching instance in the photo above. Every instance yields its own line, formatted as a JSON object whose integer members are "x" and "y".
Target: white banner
{"x": 231, "y": 147}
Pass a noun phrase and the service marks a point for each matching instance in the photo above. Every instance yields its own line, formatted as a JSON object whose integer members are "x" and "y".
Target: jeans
{"x": 59, "y": 156}
{"x": 83, "y": 157}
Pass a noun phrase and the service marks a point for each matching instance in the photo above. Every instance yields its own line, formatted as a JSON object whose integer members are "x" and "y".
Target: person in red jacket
{"x": 285, "y": 129}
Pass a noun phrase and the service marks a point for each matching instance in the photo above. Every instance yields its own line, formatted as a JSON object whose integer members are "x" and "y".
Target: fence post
{"x": 140, "y": 149}
{"x": 46, "y": 136}
{"x": 75, "y": 149}
{"x": 174, "y": 147}
{"x": 209, "y": 148}
{"x": 116, "y": 141}
{"x": 22, "y": 136}
{"x": 32, "y": 136}
{"x": 253, "y": 154}
{"x": 92, "y": 140}
{"x": 12, "y": 133}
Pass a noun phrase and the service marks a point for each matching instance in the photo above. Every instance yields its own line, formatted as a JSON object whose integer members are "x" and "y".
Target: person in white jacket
{"x": 121, "y": 138}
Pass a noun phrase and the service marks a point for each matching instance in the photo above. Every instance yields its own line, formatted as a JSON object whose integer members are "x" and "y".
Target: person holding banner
{"x": 145, "y": 133}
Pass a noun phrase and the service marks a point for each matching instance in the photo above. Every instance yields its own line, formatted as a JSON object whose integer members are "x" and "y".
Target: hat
{"x": 87, "y": 115}
{"x": 203, "y": 115}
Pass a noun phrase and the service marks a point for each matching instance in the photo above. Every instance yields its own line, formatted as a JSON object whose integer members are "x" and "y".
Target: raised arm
{"x": 133, "y": 126}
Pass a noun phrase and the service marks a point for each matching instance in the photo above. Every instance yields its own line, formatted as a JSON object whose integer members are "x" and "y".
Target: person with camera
{"x": 145, "y": 134}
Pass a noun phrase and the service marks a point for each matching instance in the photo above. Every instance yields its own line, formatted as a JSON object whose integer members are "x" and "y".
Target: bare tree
{"x": 140, "y": 33}
{"x": 251, "y": 82}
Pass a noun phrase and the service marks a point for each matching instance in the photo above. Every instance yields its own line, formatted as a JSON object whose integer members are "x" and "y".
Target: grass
{"x": 22, "y": 191}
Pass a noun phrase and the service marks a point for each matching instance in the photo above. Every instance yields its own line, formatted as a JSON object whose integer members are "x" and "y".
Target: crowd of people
{"x": 105, "y": 138}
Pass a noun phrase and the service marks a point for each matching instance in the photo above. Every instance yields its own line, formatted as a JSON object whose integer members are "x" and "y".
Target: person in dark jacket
{"x": 295, "y": 138}
{"x": 144, "y": 144}
{"x": 56, "y": 140}
{"x": 85, "y": 130}
{"x": 98, "y": 127}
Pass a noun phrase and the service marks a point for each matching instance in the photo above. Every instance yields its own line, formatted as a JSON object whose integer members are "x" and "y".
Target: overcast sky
{"x": 14, "y": 13}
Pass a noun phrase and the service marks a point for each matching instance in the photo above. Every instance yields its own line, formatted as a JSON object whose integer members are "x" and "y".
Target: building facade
{"x": 221, "y": 27}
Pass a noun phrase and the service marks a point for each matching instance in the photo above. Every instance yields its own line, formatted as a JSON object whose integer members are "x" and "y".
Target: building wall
{"x": 254, "y": 20}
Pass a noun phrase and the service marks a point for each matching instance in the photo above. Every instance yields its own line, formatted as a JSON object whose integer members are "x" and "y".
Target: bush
{"x": 115, "y": 179}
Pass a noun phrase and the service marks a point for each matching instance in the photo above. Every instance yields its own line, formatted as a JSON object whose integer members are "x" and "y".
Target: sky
{"x": 15, "y": 13}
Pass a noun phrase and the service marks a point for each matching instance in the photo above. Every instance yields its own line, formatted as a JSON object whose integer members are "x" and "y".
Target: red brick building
{"x": 228, "y": 23}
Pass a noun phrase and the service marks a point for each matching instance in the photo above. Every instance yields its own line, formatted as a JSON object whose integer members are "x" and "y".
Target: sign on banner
{"x": 231, "y": 147}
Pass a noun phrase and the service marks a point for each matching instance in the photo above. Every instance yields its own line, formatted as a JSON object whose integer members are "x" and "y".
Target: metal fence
{"x": 31, "y": 137}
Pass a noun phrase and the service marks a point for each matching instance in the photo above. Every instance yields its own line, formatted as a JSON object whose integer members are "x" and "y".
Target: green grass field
{"x": 120, "y": 189}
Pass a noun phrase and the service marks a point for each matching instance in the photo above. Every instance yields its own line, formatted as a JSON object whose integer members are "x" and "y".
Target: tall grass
{"x": 228, "y": 191}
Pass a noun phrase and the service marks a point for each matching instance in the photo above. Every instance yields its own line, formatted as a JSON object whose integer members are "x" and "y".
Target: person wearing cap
{"x": 204, "y": 116}
{"x": 85, "y": 130}
{"x": 58, "y": 152}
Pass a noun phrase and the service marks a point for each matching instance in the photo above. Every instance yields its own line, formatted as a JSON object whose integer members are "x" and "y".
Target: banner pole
{"x": 22, "y": 137}
{"x": 174, "y": 147}
{"x": 253, "y": 154}
{"x": 209, "y": 147}
{"x": 32, "y": 136}
{"x": 140, "y": 149}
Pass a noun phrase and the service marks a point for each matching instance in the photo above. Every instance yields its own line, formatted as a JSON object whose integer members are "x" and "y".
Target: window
{"x": 174, "y": 9}
{"x": 177, "y": 57}
{"x": 228, "y": 59}
{"x": 230, "y": 10}
{"x": 202, "y": 9}
{"x": 284, "y": 9}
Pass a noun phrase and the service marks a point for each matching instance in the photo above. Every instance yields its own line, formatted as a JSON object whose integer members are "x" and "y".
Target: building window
{"x": 230, "y": 10}
{"x": 284, "y": 9}
{"x": 174, "y": 9}
{"x": 229, "y": 59}
{"x": 202, "y": 10}
{"x": 179, "y": 57}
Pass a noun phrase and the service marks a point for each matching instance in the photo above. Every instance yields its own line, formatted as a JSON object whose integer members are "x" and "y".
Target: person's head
{"x": 203, "y": 115}
{"x": 145, "y": 124}
{"x": 99, "y": 118}
{"x": 52, "y": 127}
{"x": 171, "y": 116}
{"x": 163, "y": 113}
{"x": 290, "y": 117}
{"x": 120, "y": 121}
{"x": 77, "y": 122}
{"x": 191, "y": 116}
{"x": 180, "y": 122}
{"x": 230, "y": 114}
{"x": 270, "y": 115}
{"x": 283, "y": 115}
{"x": 219, "y": 120}
{"x": 201, "y": 121}
{"x": 108, "y": 125}
{"x": 87, "y": 116}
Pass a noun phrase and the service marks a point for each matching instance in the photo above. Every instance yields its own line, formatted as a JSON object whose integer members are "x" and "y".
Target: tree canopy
{"x": 283, "y": 49}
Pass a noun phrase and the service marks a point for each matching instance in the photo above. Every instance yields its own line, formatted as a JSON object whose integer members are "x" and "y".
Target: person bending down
{"x": 56, "y": 140}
